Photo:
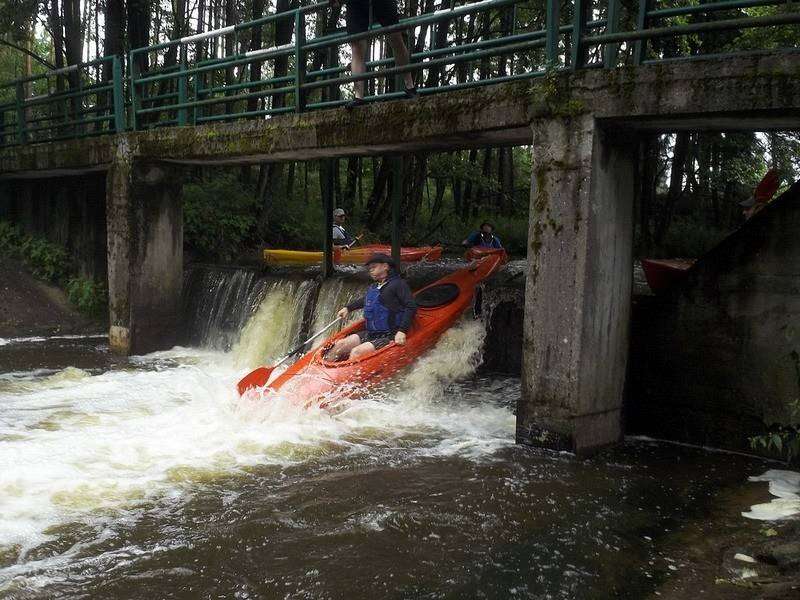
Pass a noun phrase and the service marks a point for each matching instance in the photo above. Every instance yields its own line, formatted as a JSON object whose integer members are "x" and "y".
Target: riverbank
{"x": 722, "y": 555}
{"x": 31, "y": 307}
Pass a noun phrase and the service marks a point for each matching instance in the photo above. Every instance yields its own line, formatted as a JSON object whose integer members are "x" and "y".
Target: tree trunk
{"x": 677, "y": 173}
{"x": 255, "y": 44}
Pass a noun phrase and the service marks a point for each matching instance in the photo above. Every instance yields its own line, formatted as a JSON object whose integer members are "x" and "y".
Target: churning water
{"x": 150, "y": 477}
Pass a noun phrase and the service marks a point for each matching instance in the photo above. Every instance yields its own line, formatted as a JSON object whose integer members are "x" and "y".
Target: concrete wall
{"x": 719, "y": 357}
{"x": 578, "y": 286}
{"x": 145, "y": 256}
{"x": 70, "y": 211}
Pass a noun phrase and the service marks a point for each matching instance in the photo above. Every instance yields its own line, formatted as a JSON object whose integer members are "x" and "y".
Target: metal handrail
{"x": 190, "y": 90}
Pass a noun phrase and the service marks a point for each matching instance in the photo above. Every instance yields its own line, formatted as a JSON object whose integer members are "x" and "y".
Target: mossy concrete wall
{"x": 718, "y": 358}
{"x": 577, "y": 299}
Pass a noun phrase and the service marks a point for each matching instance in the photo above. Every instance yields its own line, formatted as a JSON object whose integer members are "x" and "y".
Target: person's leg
{"x": 401, "y": 56}
{"x": 361, "y": 350}
{"x": 358, "y": 66}
{"x": 342, "y": 348}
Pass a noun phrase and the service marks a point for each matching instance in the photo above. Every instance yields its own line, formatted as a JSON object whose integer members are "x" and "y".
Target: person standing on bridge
{"x": 483, "y": 238}
{"x": 389, "y": 308}
{"x": 358, "y": 21}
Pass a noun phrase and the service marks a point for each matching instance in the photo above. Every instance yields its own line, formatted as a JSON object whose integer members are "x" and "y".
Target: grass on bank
{"x": 50, "y": 262}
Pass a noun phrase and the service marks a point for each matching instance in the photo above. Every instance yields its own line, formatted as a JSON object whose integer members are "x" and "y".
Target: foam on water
{"x": 785, "y": 486}
{"x": 83, "y": 448}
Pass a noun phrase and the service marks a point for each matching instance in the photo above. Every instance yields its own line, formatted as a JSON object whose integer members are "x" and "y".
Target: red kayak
{"x": 663, "y": 273}
{"x": 314, "y": 379}
{"x": 477, "y": 252}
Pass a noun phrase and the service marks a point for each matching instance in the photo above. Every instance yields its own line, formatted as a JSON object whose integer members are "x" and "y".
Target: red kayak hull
{"x": 314, "y": 380}
{"x": 663, "y": 273}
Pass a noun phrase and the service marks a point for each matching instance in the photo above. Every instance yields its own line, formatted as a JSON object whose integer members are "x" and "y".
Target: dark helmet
{"x": 381, "y": 258}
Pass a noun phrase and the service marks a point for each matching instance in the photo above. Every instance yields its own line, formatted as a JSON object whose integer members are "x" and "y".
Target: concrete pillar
{"x": 145, "y": 256}
{"x": 577, "y": 296}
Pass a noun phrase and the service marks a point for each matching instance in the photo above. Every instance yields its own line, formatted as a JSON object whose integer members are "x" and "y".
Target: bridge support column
{"x": 145, "y": 256}
{"x": 577, "y": 297}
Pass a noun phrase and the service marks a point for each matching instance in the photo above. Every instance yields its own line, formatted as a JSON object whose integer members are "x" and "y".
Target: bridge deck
{"x": 756, "y": 92}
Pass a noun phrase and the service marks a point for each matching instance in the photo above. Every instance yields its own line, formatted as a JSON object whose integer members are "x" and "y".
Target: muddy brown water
{"x": 148, "y": 478}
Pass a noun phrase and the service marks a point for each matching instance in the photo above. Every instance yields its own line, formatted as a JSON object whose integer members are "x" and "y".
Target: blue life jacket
{"x": 379, "y": 318}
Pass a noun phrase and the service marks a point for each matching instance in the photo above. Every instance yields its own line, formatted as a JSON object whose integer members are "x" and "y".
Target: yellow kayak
{"x": 353, "y": 256}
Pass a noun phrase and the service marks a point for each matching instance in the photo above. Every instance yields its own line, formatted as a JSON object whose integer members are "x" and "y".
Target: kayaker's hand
{"x": 400, "y": 338}
{"x": 342, "y": 314}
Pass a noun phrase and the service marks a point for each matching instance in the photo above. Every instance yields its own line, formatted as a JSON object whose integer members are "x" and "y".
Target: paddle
{"x": 260, "y": 376}
{"x": 355, "y": 241}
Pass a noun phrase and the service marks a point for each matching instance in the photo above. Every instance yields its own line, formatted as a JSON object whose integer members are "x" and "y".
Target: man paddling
{"x": 389, "y": 309}
{"x": 483, "y": 238}
{"x": 341, "y": 237}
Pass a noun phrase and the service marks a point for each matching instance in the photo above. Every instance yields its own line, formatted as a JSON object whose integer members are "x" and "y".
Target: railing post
{"x": 119, "y": 96}
{"x": 578, "y": 27}
{"x": 22, "y": 133}
{"x": 299, "y": 62}
{"x": 551, "y": 38}
{"x": 183, "y": 112}
{"x": 611, "y": 50}
{"x": 640, "y": 46}
{"x": 134, "y": 72}
{"x": 199, "y": 84}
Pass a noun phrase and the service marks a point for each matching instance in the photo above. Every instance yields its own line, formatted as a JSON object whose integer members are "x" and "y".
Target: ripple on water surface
{"x": 154, "y": 479}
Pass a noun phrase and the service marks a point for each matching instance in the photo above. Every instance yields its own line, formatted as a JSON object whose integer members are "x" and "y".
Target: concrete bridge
{"x": 581, "y": 126}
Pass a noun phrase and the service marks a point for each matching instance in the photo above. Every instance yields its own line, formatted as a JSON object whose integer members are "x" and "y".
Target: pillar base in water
{"x": 119, "y": 340}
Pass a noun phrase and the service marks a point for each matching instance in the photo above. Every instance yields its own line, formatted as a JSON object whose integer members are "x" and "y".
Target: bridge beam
{"x": 577, "y": 299}
{"x": 145, "y": 255}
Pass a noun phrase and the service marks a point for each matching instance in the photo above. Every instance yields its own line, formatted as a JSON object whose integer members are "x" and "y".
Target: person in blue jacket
{"x": 484, "y": 238}
{"x": 389, "y": 309}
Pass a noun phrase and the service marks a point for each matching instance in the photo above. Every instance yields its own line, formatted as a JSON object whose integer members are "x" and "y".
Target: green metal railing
{"x": 273, "y": 65}
{"x": 76, "y": 101}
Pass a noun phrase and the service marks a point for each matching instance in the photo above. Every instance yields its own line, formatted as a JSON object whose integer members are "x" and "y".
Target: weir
{"x": 578, "y": 114}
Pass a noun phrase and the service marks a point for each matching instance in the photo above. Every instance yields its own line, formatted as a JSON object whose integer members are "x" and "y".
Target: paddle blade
{"x": 254, "y": 379}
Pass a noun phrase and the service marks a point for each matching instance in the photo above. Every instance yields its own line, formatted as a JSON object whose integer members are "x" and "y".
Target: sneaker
{"x": 355, "y": 102}
{"x": 410, "y": 94}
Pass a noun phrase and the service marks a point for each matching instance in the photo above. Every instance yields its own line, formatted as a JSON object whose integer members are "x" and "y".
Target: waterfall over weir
{"x": 260, "y": 316}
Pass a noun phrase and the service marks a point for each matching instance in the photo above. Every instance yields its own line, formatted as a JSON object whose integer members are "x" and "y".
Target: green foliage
{"x": 219, "y": 215}
{"x": 87, "y": 295}
{"x": 46, "y": 260}
{"x": 782, "y": 440}
{"x": 50, "y": 262}
{"x": 689, "y": 238}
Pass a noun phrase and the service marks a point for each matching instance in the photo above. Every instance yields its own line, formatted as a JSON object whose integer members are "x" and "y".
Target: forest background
{"x": 689, "y": 184}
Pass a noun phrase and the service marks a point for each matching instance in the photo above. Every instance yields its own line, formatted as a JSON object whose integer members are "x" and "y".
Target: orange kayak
{"x": 313, "y": 379}
{"x": 357, "y": 255}
{"x": 663, "y": 273}
{"x": 480, "y": 251}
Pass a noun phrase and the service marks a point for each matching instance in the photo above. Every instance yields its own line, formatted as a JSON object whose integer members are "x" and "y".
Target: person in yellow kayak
{"x": 341, "y": 237}
{"x": 389, "y": 308}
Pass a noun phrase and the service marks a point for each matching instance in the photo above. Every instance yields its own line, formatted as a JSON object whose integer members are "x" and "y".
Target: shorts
{"x": 379, "y": 339}
{"x": 357, "y": 17}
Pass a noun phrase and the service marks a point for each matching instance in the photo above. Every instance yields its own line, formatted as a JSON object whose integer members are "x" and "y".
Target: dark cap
{"x": 381, "y": 258}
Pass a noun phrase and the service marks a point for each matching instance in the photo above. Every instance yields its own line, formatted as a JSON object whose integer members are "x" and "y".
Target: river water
{"x": 149, "y": 477}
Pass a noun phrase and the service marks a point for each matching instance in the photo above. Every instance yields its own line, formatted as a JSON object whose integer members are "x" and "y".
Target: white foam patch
{"x": 81, "y": 448}
{"x": 785, "y": 486}
{"x": 39, "y": 338}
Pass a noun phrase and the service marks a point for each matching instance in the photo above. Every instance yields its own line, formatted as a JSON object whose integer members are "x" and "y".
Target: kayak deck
{"x": 315, "y": 379}
{"x": 353, "y": 256}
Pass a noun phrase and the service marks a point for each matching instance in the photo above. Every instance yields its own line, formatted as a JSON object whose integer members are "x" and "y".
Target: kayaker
{"x": 341, "y": 238}
{"x": 358, "y": 20}
{"x": 389, "y": 309}
{"x": 483, "y": 238}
